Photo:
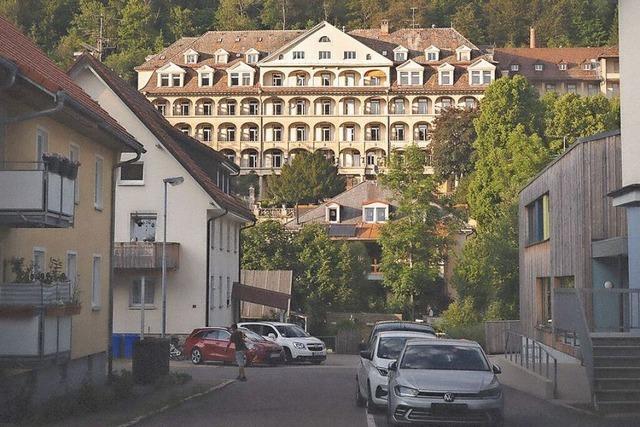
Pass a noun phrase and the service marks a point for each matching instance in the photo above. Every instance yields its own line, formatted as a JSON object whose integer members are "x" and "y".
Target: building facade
{"x": 55, "y": 215}
{"x": 203, "y": 219}
{"x": 261, "y": 97}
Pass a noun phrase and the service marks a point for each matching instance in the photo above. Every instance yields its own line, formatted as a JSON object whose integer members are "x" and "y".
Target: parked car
{"x": 444, "y": 381}
{"x": 210, "y": 344}
{"x": 298, "y": 345}
{"x": 396, "y": 325}
{"x": 372, "y": 376}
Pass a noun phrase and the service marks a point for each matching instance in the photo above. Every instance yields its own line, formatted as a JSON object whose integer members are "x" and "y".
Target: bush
{"x": 474, "y": 332}
{"x": 460, "y": 313}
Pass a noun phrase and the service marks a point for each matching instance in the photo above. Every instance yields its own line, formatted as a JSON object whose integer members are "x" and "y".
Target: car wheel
{"x": 288, "y": 358}
{"x": 371, "y": 407}
{"x": 360, "y": 401}
{"x": 196, "y": 356}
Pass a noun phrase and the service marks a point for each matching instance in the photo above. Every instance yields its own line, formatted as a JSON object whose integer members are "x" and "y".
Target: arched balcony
{"x": 298, "y": 78}
{"x": 324, "y": 107}
{"x": 204, "y": 107}
{"x": 349, "y": 106}
{"x": 182, "y": 107}
{"x": 350, "y": 158}
{"x": 375, "y": 157}
{"x": 299, "y": 132}
{"x": 227, "y": 132}
{"x": 324, "y": 132}
{"x": 324, "y": 78}
{"x": 250, "y": 107}
{"x": 162, "y": 105}
{"x": 273, "y": 132}
{"x": 204, "y": 132}
{"x": 375, "y": 131}
{"x": 328, "y": 154}
{"x": 273, "y": 78}
{"x": 296, "y": 152}
{"x": 349, "y": 78}
{"x": 399, "y": 131}
{"x": 227, "y": 107}
{"x": 375, "y": 106}
{"x": 299, "y": 106}
{"x": 249, "y": 158}
{"x": 399, "y": 105}
{"x": 443, "y": 103}
{"x": 250, "y": 132}
{"x": 421, "y": 105}
{"x": 273, "y": 106}
{"x": 273, "y": 158}
{"x": 350, "y": 132}
{"x": 230, "y": 154}
{"x": 184, "y": 128}
{"x": 421, "y": 131}
{"x": 468, "y": 103}
{"x": 375, "y": 78}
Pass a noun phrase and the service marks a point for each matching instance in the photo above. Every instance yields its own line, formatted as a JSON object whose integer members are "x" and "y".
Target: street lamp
{"x": 176, "y": 180}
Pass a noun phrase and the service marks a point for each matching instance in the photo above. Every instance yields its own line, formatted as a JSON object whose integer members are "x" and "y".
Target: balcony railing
{"x": 33, "y": 197}
{"x": 145, "y": 255}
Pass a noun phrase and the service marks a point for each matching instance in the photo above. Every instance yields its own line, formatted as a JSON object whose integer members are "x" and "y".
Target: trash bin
{"x": 116, "y": 346}
{"x": 150, "y": 360}
{"x": 129, "y": 340}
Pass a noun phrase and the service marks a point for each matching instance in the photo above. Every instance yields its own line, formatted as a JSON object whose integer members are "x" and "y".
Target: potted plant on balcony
{"x": 52, "y": 162}
{"x": 69, "y": 168}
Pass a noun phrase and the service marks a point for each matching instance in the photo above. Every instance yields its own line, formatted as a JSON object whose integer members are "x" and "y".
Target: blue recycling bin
{"x": 129, "y": 341}
{"x": 116, "y": 346}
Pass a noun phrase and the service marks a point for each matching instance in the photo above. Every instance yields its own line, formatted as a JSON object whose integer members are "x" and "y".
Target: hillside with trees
{"x": 134, "y": 29}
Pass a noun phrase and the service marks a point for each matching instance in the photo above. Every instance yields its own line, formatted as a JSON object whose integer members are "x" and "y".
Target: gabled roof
{"x": 446, "y": 67}
{"x": 481, "y": 63}
{"x": 171, "y": 68}
{"x": 432, "y": 48}
{"x": 205, "y": 69}
{"x": 34, "y": 66}
{"x": 400, "y": 48}
{"x": 190, "y": 51}
{"x": 198, "y": 159}
{"x": 241, "y": 66}
{"x": 463, "y": 48}
{"x": 410, "y": 65}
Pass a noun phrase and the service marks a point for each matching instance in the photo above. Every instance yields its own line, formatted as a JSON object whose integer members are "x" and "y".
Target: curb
{"x": 143, "y": 417}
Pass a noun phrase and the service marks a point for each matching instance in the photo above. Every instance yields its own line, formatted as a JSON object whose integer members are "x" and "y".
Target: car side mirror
{"x": 271, "y": 335}
{"x": 496, "y": 369}
{"x": 393, "y": 366}
{"x": 365, "y": 354}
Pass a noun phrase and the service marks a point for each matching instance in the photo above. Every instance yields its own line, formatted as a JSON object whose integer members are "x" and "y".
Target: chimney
{"x": 532, "y": 37}
{"x": 384, "y": 26}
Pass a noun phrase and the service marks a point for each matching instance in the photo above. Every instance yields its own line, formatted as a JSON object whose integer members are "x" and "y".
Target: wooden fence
{"x": 494, "y": 332}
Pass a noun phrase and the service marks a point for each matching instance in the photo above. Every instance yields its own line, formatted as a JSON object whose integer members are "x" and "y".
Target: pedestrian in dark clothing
{"x": 237, "y": 338}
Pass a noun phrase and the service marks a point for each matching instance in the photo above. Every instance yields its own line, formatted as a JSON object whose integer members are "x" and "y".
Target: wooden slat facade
{"x": 580, "y": 212}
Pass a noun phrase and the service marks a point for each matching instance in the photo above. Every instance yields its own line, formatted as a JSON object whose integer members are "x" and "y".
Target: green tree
{"x": 574, "y": 116}
{"x": 309, "y": 178}
{"x": 268, "y": 246}
{"x": 452, "y": 143}
{"x": 412, "y": 245}
{"x": 181, "y": 23}
{"x": 234, "y": 15}
{"x": 469, "y": 21}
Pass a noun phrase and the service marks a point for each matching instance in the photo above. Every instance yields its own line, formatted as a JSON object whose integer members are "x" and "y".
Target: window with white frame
{"x": 253, "y": 133}
{"x": 162, "y": 107}
{"x": 515, "y": 67}
{"x": 324, "y": 39}
{"x": 207, "y": 108}
{"x": 404, "y": 78}
{"x": 246, "y": 79}
{"x": 207, "y": 133}
{"x": 206, "y": 79}
{"x": 432, "y": 56}
{"x": 349, "y": 107}
{"x": 230, "y": 132}
{"x": 481, "y": 77}
{"x": 423, "y": 106}
{"x": 183, "y": 108}
{"x": 300, "y": 133}
{"x": 219, "y": 291}
{"x": 235, "y": 79}
{"x": 135, "y": 299}
{"x": 253, "y": 108}
{"x": 277, "y": 108}
{"x": 325, "y": 133}
{"x": 374, "y": 133}
{"x": 371, "y": 159}
{"x": 378, "y": 212}
{"x": 72, "y": 269}
{"x": 423, "y": 132}
{"x": 276, "y": 80}
{"x": 463, "y": 53}
{"x": 221, "y": 58}
{"x": 349, "y": 133}
{"x": 132, "y": 173}
{"x": 191, "y": 58}
{"x": 74, "y": 156}
{"x": 349, "y": 54}
{"x": 277, "y": 134}
{"x": 324, "y": 54}
{"x": 400, "y": 56}
{"x": 333, "y": 213}
{"x": 562, "y": 66}
{"x": 398, "y": 106}
{"x": 228, "y": 291}
{"x": 176, "y": 80}
{"x": 572, "y": 88}
{"x": 252, "y": 58}
{"x": 325, "y": 79}
{"x": 252, "y": 160}
{"x": 415, "y": 78}
{"x": 350, "y": 79}
{"x": 276, "y": 160}
{"x": 96, "y": 282}
{"x": 538, "y": 67}
{"x": 374, "y": 106}
{"x": 398, "y": 132}
{"x": 446, "y": 77}
{"x": 98, "y": 184}
{"x": 326, "y": 108}
{"x": 301, "y": 80}
{"x": 300, "y": 107}
{"x": 39, "y": 260}
{"x": 42, "y": 145}
{"x": 164, "y": 80}
{"x": 298, "y": 54}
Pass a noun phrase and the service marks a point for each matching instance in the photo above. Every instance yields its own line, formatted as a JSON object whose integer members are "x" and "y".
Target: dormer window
{"x": 481, "y": 77}
{"x": 252, "y": 56}
{"x": 375, "y": 212}
{"x": 205, "y": 79}
{"x": 463, "y": 53}
{"x": 432, "y": 53}
{"x": 410, "y": 78}
{"x": 333, "y": 213}
{"x": 562, "y": 66}
{"x": 205, "y": 76}
{"x": 445, "y": 74}
{"x": 222, "y": 56}
{"x": 538, "y": 67}
{"x": 324, "y": 39}
{"x": 164, "y": 80}
{"x": 191, "y": 57}
{"x": 400, "y": 54}
{"x": 515, "y": 67}
{"x": 170, "y": 75}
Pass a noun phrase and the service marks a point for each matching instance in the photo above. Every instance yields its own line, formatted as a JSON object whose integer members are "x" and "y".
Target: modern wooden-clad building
{"x": 570, "y": 234}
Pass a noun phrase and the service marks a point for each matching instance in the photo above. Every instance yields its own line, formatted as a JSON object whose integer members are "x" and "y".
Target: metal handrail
{"x": 533, "y": 359}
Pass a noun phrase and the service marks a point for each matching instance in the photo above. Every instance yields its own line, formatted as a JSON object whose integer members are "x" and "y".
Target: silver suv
{"x": 444, "y": 381}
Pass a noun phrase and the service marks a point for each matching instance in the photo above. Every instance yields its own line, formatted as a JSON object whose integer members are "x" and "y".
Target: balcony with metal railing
{"x": 145, "y": 255}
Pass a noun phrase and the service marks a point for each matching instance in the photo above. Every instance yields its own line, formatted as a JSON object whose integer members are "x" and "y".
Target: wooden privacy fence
{"x": 495, "y": 332}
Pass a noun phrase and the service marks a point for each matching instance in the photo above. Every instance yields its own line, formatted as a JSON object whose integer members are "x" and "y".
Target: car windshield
{"x": 390, "y": 348}
{"x": 252, "y": 335}
{"x": 444, "y": 357}
{"x": 291, "y": 331}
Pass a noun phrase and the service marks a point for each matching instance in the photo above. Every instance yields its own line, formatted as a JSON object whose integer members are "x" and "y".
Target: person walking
{"x": 237, "y": 338}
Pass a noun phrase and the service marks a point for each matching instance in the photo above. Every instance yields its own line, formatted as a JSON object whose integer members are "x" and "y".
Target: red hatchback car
{"x": 210, "y": 345}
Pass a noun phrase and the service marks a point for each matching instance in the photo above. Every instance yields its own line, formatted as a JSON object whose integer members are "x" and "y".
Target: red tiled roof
{"x": 33, "y": 64}
{"x": 574, "y": 57}
{"x": 200, "y": 160}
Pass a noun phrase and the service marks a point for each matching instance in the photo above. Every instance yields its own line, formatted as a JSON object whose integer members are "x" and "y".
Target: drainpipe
{"x": 237, "y": 318}
{"x": 112, "y": 233}
{"x": 60, "y": 97}
{"x": 210, "y": 223}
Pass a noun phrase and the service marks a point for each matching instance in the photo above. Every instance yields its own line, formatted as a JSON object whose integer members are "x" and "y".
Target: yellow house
{"x": 53, "y": 211}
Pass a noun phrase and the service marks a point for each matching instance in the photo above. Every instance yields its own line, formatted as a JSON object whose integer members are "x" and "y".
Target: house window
{"x": 487, "y": 77}
{"x": 349, "y": 54}
{"x": 97, "y": 185}
{"x": 231, "y": 133}
{"x": 42, "y": 145}
{"x": 298, "y": 54}
{"x": 231, "y": 108}
{"x": 207, "y": 108}
{"x": 350, "y": 79}
{"x": 277, "y": 79}
{"x": 96, "y": 280}
{"x": 277, "y": 134}
{"x": 515, "y": 67}
{"x": 276, "y": 160}
{"x": 368, "y": 57}
{"x": 374, "y": 81}
{"x": 371, "y": 159}
{"x": 162, "y": 108}
{"x": 445, "y": 78}
{"x": 221, "y": 59}
{"x": 206, "y": 133}
{"x": 374, "y": 107}
{"x": 423, "y": 132}
{"x": 349, "y": 107}
{"x": 432, "y": 56}
{"x": 349, "y": 133}
{"x": 39, "y": 260}
{"x": 470, "y": 103}
{"x": 277, "y": 108}
{"x": 300, "y": 133}
{"x": 74, "y": 156}
{"x": 326, "y": 108}
{"x": 246, "y": 79}
{"x": 369, "y": 214}
{"x": 184, "y": 129}
{"x": 301, "y": 80}
{"x": 398, "y": 132}
{"x": 252, "y": 58}
{"x": 593, "y": 89}
{"x": 136, "y": 292}
{"x": 253, "y": 160}
{"x": 300, "y": 107}
{"x": 325, "y": 79}
{"x": 538, "y": 67}
{"x": 375, "y": 133}
{"x": 132, "y": 173}
{"x": 423, "y": 106}
{"x": 176, "y": 80}
{"x": 324, "y": 54}
{"x": 562, "y": 66}
{"x": 143, "y": 227}
{"x": 192, "y": 58}
{"x": 324, "y": 39}
{"x": 72, "y": 269}
{"x": 325, "y": 134}
{"x": 398, "y": 106}
{"x": 538, "y": 220}
{"x": 550, "y": 87}
{"x": 235, "y": 79}
{"x": 228, "y": 291}
{"x": 400, "y": 56}
{"x": 205, "y": 79}
{"x": 333, "y": 214}
{"x": 253, "y": 108}
{"x": 183, "y": 108}
{"x": 572, "y": 88}
{"x": 404, "y": 78}
{"x": 480, "y": 77}
{"x": 164, "y": 80}
{"x": 415, "y": 77}
{"x": 381, "y": 214}
{"x": 545, "y": 295}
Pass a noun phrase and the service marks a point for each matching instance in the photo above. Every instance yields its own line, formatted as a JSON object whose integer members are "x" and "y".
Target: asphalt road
{"x": 308, "y": 395}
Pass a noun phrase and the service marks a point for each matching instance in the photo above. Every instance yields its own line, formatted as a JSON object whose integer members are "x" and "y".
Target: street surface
{"x": 309, "y": 395}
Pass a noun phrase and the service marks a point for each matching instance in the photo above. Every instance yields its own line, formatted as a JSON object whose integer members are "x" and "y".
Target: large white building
{"x": 203, "y": 219}
{"x": 261, "y": 97}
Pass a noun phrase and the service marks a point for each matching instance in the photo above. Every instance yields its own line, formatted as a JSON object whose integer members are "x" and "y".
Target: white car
{"x": 373, "y": 370}
{"x": 298, "y": 345}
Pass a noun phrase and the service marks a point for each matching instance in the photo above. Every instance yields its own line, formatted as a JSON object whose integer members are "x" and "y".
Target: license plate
{"x": 448, "y": 409}
{"x": 316, "y": 353}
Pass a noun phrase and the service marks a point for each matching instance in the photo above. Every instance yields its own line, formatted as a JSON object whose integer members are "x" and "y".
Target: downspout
{"x": 237, "y": 318}
{"x": 112, "y": 234}
{"x": 60, "y": 98}
{"x": 210, "y": 223}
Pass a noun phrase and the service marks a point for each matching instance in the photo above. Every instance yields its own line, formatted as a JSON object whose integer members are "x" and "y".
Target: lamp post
{"x": 177, "y": 180}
